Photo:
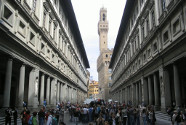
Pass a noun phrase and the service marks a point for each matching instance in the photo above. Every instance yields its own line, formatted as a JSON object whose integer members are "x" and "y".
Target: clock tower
{"x": 103, "y": 30}
{"x": 103, "y": 61}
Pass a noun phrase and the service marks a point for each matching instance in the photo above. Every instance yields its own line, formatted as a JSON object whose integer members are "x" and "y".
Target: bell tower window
{"x": 103, "y": 17}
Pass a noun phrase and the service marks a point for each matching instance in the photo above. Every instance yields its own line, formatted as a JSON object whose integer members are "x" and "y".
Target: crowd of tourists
{"x": 42, "y": 117}
{"x": 119, "y": 114}
{"x": 112, "y": 114}
{"x": 99, "y": 113}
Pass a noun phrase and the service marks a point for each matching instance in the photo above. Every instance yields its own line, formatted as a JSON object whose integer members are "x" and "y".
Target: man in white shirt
{"x": 49, "y": 121}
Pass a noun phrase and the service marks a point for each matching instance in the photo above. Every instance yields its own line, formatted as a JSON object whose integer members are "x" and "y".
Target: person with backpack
{"x": 34, "y": 119}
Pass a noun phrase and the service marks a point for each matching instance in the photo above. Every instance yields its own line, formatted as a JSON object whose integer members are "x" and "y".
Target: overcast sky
{"x": 87, "y": 15}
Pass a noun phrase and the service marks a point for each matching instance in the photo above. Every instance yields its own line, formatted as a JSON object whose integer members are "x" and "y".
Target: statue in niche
{"x": 36, "y": 87}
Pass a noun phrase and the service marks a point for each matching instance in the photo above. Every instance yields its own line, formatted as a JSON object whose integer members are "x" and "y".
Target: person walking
{"x": 124, "y": 115}
{"x": 14, "y": 113}
{"x": 144, "y": 116}
{"x": 41, "y": 116}
{"x": 34, "y": 119}
{"x": 49, "y": 121}
{"x": 7, "y": 116}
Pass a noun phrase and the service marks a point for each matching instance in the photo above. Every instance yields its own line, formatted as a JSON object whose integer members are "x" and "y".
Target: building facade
{"x": 103, "y": 61}
{"x": 42, "y": 54}
{"x": 149, "y": 54}
{"x": 93, "y": 89}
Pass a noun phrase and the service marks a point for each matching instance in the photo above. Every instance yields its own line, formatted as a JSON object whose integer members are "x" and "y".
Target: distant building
{"x": 149, "y": 57}
{"x": 42, "y": 56}
{"x": 93, "y": 89}
{"x": 103, "y": 61}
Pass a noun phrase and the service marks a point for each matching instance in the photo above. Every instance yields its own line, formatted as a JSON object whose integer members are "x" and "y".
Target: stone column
{"x": 166, "y": 89}
{"x": 137, "y": 94}
{"x": 177, "y": 86}
{"x": 31, "y": 95}
{"x": 134, "y": 94}
{"x": 150, "y": 91}
{"x": 118, "y": 95}
{"x": 58, "y": 85}
{"x": 48, "y": 91}
{"x": 64, "y": 92}
{"x": 140, "y": 92}
{"x": 53, "y": 92}
{"x": 7, "y": 87}
{"x": 42, "y": 89}
{"x": 126, "y": 99}
{"x": 21, "y": 86}
{"x": 156, "y": 91}
{"x": 128, "y": 94}
{"x": 61, "y": 92}
{"x": 145, "y": 92}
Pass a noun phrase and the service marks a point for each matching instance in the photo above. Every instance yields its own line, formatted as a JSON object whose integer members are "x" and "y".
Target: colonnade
{"x": 34, "y": 85}
{"x": 161, "y": 88}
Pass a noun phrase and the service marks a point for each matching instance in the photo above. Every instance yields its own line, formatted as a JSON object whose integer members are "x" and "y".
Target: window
{"x": 144, "y": 57}
{"x": 32, "y": 38}
{"x": 53, "y": 57}
{"x": 44, "y": 18}
{"x": 106, "y": 56}
{"x": 142, "y": 32}
{"x": 176, "y": 26}
{"x": 155, "y": 46}
{"x": 42, "y": 48}
{"x": 149, "y": 53}
{"x": 163, "y": 4}
{"x": 110, "y": 70}
{"x": 8, "y": 15}
{"x": 103, "y": 17}
{"x": 22, "y": 28}
{"x": 165, "y": 36}
{"x": 34, "y": 5}
{"x": 139, "y": 62}
{"x": 54, "y": 32}
{"x": 153, "y": 18}
{"x": 147, "y": 25}
{"x": 50, "y": 24}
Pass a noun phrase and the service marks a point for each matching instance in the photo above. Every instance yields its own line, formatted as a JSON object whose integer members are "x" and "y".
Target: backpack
{"x": 54, "y": 121}
{"x": 30, "y": 121}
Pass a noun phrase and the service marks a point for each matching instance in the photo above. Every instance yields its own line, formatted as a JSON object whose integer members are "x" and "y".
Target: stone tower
{"x": 103, "y": 30}
{"x": 103, "y": 60}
